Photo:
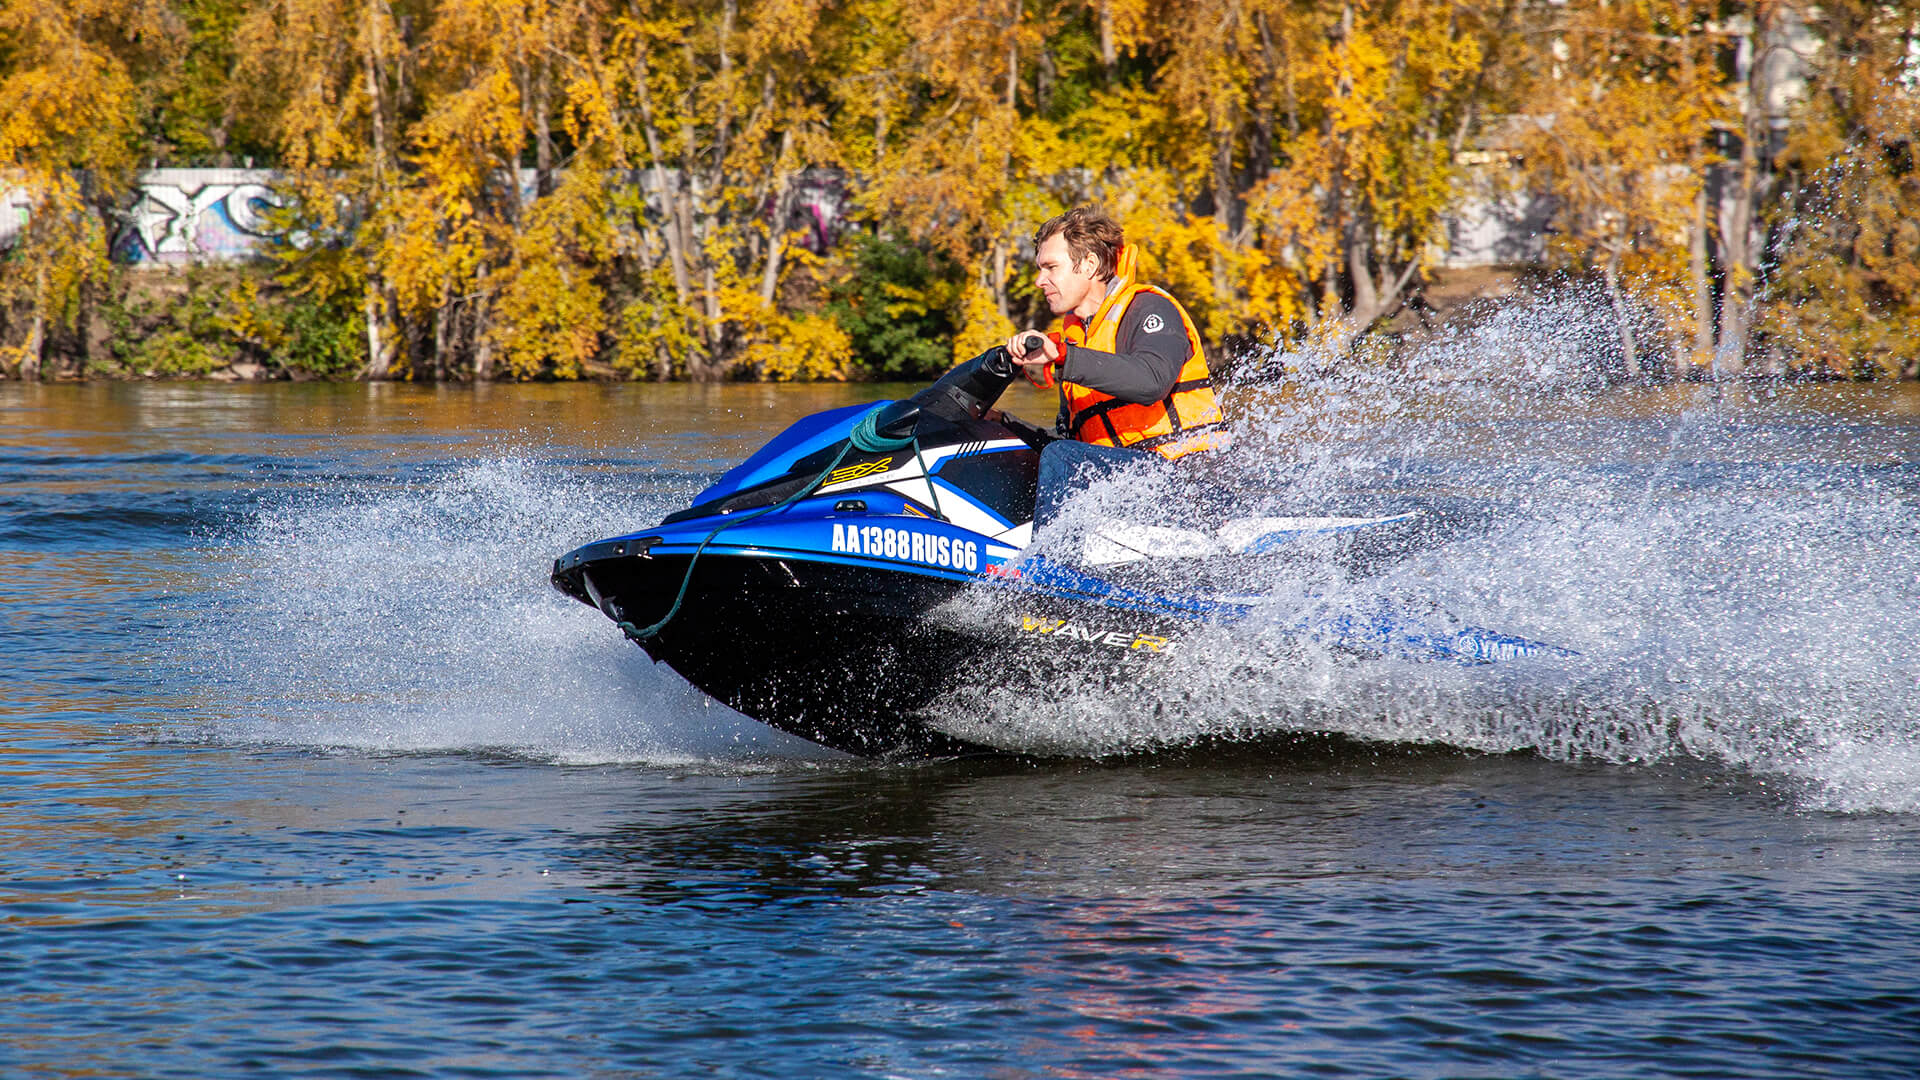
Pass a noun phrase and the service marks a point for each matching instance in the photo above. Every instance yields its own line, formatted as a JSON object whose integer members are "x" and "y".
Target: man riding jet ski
{"x": 854, "y": 572}
{"x": 1129, "y": 359}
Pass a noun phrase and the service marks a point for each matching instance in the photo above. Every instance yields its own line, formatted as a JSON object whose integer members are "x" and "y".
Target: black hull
{"x": 845, "y": 656}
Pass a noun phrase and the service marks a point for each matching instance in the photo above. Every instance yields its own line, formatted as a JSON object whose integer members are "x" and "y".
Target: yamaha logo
{"x": 1154, "y": 324}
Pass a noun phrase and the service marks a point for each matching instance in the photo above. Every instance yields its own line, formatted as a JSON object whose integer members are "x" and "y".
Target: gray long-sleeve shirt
{"x": 1150, "y": 349}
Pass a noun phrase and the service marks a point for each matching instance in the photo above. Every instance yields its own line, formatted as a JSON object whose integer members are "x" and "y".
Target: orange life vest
{"x": 1188, "y": 419}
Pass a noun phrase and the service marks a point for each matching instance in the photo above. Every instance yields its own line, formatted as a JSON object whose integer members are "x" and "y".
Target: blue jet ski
{"x": 814, "y": 586}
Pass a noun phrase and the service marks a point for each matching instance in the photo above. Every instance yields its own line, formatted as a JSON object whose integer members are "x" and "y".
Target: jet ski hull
{"x": 839, "y": 654}
{"x": 858, "y": 657}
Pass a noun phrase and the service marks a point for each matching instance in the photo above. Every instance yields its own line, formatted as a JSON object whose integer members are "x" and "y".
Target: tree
{"x": 1844, "y": 297}
{"x": 1626, "y": 96}
{"x": 1379, "y": 99}
{"x": 331, "y": 102}
{"x": 71, "y": 94}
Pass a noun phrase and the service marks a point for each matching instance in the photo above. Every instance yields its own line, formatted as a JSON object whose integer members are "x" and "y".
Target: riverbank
{"x": 230, "y": 324}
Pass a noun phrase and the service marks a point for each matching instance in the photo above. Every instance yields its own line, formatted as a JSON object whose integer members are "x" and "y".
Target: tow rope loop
{"x": 864, "y": 437}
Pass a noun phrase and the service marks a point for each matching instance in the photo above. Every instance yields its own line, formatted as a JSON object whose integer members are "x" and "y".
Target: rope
{"x": 864, "y": 437}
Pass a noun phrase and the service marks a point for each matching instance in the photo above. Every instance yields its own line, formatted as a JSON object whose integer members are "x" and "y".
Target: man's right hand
{"x": 1037, "y": 354}
{"x": 1046, "y": 352}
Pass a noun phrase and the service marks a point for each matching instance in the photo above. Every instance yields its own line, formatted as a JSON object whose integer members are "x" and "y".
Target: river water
{"x": 305, "y": 770}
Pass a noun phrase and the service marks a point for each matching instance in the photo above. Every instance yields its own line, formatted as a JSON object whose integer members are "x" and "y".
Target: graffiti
{"x": 13, "y": 215}
{"x": 1494, "y": 228}
{"x": 818, "y": 197}
{"x": 198, "y": 215}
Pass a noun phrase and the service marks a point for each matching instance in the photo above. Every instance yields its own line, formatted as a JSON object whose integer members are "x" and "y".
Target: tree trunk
{"x": 379, "y": 360}
{"x": 674, "y": 229}
{"x": 1223, "y": 207}
{"x": 710, "y": 369}
{"x": 82, "y": 357}
{"x": 777, "y": 228}
{"x": 1736, "y": 250}
{"x": 724, "y": 128}
{"x": 379, "y": 347}
{"x": 36, "y": 342}
{"x": 1374, "y": 297}
{"x": 482, "y": 336}
{"x": 1701, "y": 282}
{"x": 443, "y": 316}
{"x": 1737, "y": 210}
{"x": 1109, "y": 52}
{"x": 542, "y": 131}
{"x": 1629, "y": 348}
{"x": 1366, "y": 296}
{"x": 776, "y": 244}
{"x": 1013, "y": 74}
{"x": 999, "y": 278}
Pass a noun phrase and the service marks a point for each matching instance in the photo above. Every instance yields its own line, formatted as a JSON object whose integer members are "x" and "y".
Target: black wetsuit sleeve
{"x": 1151, "y": 348}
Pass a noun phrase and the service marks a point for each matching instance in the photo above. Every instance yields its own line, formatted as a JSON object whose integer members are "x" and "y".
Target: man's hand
{"x": 1037, "y": 361}
{"x": 1047, "y": 353}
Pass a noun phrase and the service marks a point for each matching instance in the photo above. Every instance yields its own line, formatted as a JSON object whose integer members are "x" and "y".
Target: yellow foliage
{"x": 67, "y": 103}
{"x": 657, "y": 334}
{"x": 554, "y": 183}
{"x": 548, "y": 320}
{"x": 982, "y": 324}
{"x": 801, "y": 348}
{"x": 246, "y": 316}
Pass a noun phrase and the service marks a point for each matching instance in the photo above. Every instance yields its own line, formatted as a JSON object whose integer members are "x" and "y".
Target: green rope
{"x": 864, "y": 437}
{"x": 870, "y": 441}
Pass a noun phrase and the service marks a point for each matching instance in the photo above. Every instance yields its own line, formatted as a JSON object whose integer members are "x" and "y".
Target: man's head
{"x": 1075, "y": 255}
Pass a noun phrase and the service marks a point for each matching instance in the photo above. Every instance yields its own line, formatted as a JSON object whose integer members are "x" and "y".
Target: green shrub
{"x": 322, "y": 339}
{"x": 898, "y": 302}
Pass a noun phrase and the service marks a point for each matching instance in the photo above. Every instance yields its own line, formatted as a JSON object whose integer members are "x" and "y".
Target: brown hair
{"x": 1088, "y": 232}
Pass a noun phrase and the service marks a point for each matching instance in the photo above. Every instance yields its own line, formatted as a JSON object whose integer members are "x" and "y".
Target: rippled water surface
{"x": 305, "y": 771}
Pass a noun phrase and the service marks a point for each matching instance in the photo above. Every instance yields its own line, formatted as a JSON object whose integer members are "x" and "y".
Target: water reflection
{"x": 1272, "y": 817}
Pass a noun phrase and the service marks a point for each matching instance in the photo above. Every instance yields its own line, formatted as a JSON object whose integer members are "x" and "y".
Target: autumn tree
{"x": 1366, "y": 107}
{"x": 328, "y": 81}
{"x": 1624, "y": 103}
{"x": 969, "y": 164}
{"x": 74, "y": 78}
{"x": 1844, "y": 297}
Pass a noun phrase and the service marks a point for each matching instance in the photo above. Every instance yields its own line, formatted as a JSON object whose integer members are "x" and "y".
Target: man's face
{"x": 1065, "y": 285}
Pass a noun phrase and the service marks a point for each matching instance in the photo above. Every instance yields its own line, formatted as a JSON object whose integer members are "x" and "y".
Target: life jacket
{"x": 1188, "y": 419}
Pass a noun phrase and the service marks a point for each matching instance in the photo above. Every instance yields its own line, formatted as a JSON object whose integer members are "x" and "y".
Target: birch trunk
{"x": 1701, "y": 282}
{"x": 1616, "y": 297}
{"x": 379, "y": 348}
{"x": 1737, "y": 244}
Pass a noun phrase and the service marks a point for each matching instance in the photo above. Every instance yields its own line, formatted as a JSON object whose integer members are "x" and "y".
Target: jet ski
{"x": 838, "y": 582}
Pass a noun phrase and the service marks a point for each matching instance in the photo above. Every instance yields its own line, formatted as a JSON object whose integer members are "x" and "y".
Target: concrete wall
{"x": 185, "y": 216}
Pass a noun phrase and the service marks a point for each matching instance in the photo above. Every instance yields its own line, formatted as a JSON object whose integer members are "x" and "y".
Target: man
{"x": 1131, "y": 372}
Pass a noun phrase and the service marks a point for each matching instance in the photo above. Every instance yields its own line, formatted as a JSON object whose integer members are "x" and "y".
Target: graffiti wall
{"x": 13, "y": 214}
{"x": 183, "y": 216}
{"x": 818, "y": 197}
{"x": 197, "y": 215}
